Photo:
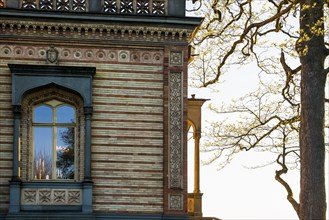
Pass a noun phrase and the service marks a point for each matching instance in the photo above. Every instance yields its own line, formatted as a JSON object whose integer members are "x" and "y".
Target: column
{"x": 196, "y": 137}
{"x": 17, "y": 120}
{"x": 197, "y": 193}
{"x": 87, "y": 163}
{"x": 87, "y": 183}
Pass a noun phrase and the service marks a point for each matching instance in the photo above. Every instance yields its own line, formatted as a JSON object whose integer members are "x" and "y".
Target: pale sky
{"x": 237, "y": 192}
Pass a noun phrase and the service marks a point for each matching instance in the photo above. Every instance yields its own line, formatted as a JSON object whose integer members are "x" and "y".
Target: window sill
{"x": 56, "y": 184}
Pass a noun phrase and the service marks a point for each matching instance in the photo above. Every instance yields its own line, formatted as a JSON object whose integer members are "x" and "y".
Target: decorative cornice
{"x": 92, "y": 31}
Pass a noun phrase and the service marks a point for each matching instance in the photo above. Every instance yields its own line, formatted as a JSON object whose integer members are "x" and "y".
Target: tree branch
{"x": 289, "y": 77}
{"x": 284, "y": 170}
{"x": 243, "y": 36}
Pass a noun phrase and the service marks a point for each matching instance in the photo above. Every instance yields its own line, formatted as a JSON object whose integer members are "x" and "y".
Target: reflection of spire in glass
{"x": 42, "y": 138}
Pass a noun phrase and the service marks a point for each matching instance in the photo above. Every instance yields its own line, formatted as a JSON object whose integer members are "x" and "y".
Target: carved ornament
{"x": 176, "y": 130}
{"x": 51, "y": 197}
{"x": 92, "y": 31}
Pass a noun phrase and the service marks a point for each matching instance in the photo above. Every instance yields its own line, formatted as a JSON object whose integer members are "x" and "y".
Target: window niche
{"x": 52, "y": 136}
{"x": 47, "y": 101}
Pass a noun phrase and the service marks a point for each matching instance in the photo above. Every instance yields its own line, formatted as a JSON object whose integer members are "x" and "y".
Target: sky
{"x": 237, "y": 191}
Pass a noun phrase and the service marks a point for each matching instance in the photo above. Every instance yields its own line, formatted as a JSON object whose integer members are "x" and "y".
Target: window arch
{"x": 52, "y": 136}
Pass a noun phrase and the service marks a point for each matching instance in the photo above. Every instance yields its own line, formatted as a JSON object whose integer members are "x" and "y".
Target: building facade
{"x": 94, "y": 109}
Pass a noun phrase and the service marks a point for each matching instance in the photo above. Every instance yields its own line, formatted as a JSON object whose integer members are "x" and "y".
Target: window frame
{"x": 54, "y": 125}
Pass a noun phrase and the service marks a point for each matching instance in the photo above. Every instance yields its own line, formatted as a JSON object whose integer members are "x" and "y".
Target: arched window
{"x": 54, "y": 135}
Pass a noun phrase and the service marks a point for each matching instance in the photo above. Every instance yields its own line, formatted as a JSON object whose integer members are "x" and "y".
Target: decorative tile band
{"x": 83, "y": 54}
{"x": 176, "y": 130}
{"x": 59, "y": 5}
{"x": 51, "y": 197}
{"x": 176, "y": 202}
{"x": 155, "y": 7}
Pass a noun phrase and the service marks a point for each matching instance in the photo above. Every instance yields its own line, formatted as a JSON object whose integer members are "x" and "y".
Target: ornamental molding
{"x": 52, "y": 55}
{"x": 175, "y": 202}
{"x": 176, "y": 58}
{"x": 92, "y": 31}
{"x": 51, "y": 196}
{"x": 83, "y": 54}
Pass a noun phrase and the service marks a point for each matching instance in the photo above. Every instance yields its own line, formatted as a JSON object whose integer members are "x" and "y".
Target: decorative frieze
{"x": 176, "y": 202}
{"x": 59, "y": 196}
{"x": 30, "y": 196}
{"x": 126, "y": 7}
{"x": 79, "y": 5}
{"x": 110, "y": 6}
{"x": 62, "y": 5}
{"x": 56, "y": 54}
{"x": 90, "y": 31}
{"x": 158, "y": 7}
{"x": 29, "y": 4}
{"x": 46, "y": 4}
{"x": 176, "y": 130}
{"x": 51, "y": 197}
{"x": 59, "y": 5}
{"x": 44, "y": 197}
{"x": 155, "y": 7}
{"x": 142, "y": 7}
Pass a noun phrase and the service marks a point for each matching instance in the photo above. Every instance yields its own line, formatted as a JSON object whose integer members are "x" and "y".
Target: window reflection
{"x": 42, "y": 114}
{"x": 65, "y": 153}
{"x": 53, "y": 140}
{"x": 42, "y": 138}
{"x": 65, "y": 114}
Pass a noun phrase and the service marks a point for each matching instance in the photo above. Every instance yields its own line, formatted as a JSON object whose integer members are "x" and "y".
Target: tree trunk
{"x": 313, "y": 78}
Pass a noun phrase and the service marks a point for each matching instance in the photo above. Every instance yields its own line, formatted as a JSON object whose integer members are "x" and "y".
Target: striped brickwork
{"x": 127, "y": 138}
{"x": 127, "y": 122}
{"x": 6, "y": 135}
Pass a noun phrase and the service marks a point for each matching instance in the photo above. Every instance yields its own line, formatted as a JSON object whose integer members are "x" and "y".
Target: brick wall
{"x": 127, "y": 121}
{"x": 6, "y": 135}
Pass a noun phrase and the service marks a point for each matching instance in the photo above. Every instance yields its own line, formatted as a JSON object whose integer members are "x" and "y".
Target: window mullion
{"x": 54, "y": 175}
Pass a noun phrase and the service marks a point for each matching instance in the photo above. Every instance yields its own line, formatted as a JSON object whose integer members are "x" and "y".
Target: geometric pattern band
{"x": 51, "y": 197}
{"x": 155, "y": 7}
{"x": 176, "y": 130}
